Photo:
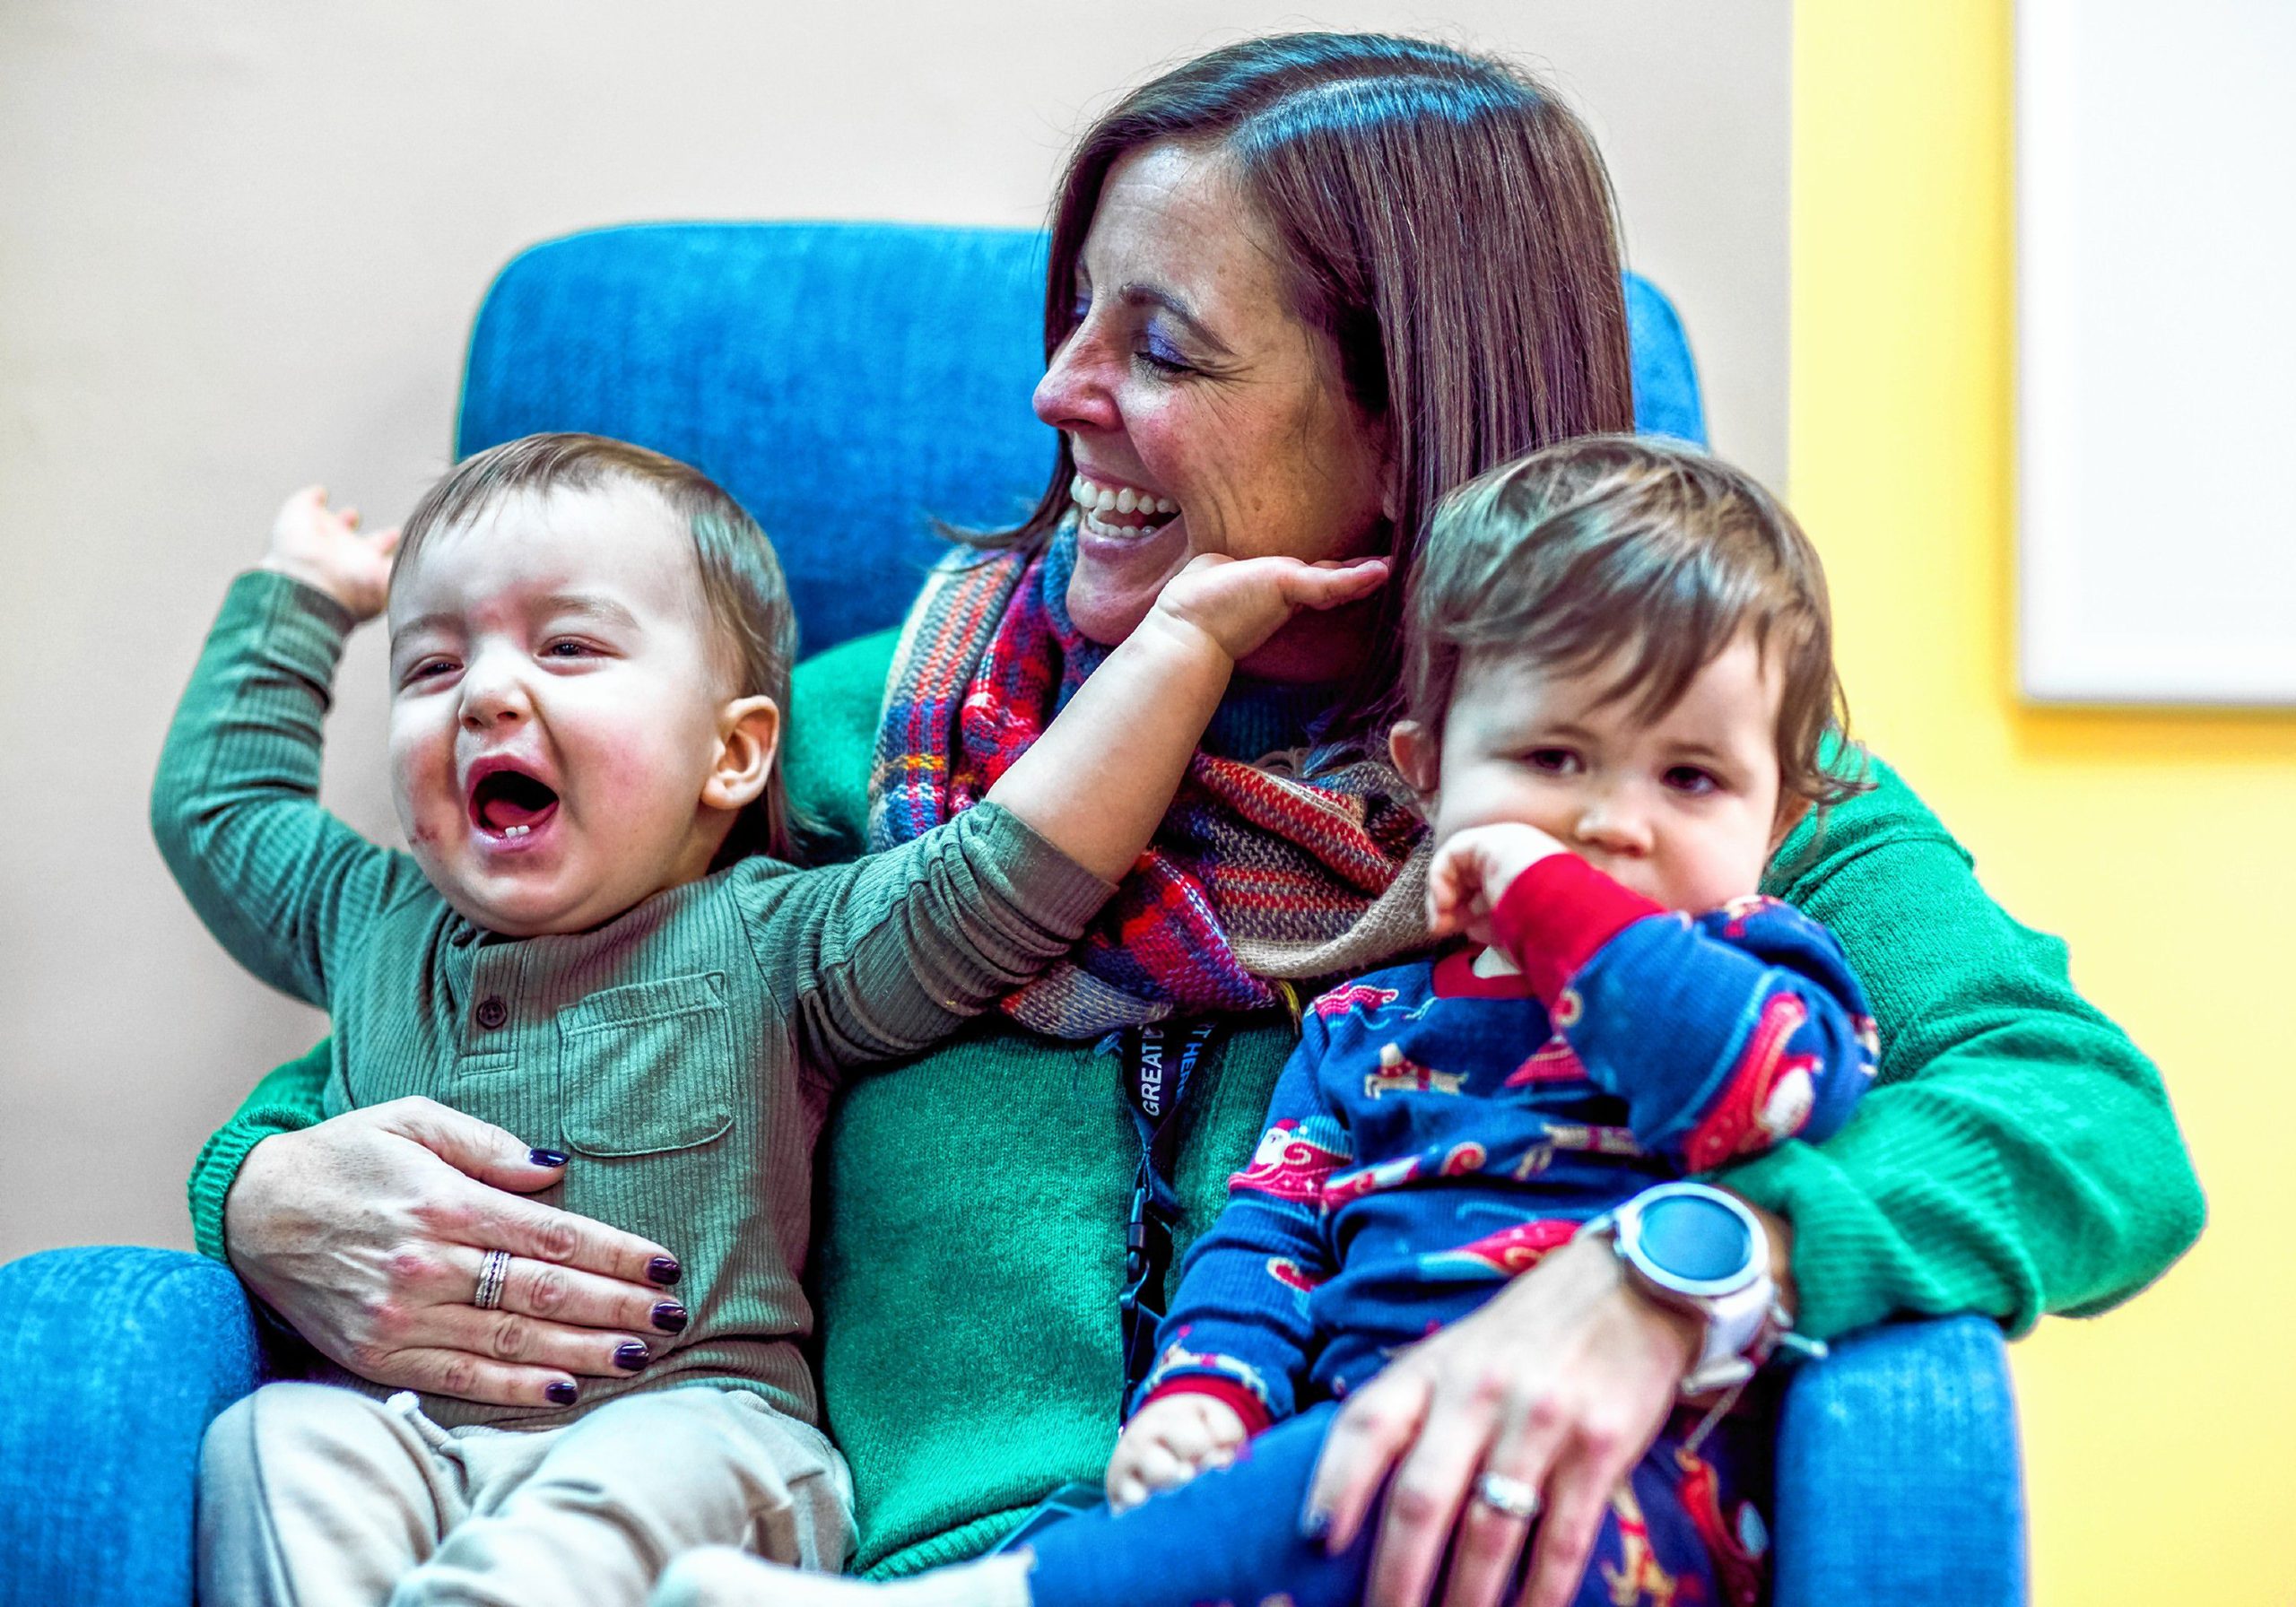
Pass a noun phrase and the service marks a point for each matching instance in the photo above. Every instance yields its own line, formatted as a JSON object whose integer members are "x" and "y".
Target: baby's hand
{"x": 1169, "y": 1441}
{"x": 321, "y": 547}
{"x": 1241, "y": 602}
{"x": 1472, "y": 870}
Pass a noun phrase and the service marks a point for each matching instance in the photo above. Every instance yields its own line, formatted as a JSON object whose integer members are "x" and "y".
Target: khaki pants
{"x": 318, "y": 1495}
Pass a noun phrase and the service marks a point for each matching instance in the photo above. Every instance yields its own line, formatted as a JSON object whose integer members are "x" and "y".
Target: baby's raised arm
{"x": 235, "y": 807}
{"x": 1098, "y": 780}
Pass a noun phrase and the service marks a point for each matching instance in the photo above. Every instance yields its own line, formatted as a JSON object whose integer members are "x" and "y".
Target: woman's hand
{"x": 367, "y": 1232}
{"x": 321, "y": 547}
{"x": 1561, "y": 1381}
{"x": 1169, "y": 1441}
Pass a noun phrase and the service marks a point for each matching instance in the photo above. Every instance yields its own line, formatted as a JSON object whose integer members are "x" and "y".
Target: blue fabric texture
{"x": 850, "y": 382}
{"x": 117, "y": 1360}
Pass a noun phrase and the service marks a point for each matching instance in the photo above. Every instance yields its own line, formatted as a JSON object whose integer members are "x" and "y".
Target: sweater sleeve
{"x": 288, "y": 1098}
{"x": 279, "y": 882}
{"x": 835, "y": 696}
{"x": 2017, "y": 1155}
{"x": 1239, "y": 1328}
{"x": 1724, "y": 1033}
{"x": 881, "y": 958}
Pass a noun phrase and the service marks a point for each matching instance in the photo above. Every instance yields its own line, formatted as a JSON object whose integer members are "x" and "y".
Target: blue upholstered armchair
{"x": 849, "y": 382}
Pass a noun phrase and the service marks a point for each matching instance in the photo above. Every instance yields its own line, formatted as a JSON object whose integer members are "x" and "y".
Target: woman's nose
{"x": 1074, "y": 392}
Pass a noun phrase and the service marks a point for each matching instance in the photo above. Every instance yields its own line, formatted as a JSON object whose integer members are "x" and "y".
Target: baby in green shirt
{"x": 594, "y": 941}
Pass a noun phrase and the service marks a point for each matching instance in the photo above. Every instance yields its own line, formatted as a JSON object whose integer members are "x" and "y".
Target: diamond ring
{"x": 1513, "y": 1496}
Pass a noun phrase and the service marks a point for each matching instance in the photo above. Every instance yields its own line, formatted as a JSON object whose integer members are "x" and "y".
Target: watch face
{"x": 1696, "y": 1238}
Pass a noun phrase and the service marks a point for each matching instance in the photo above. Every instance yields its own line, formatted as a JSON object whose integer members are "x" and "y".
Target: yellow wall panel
{"x": 2157, "y": 1439}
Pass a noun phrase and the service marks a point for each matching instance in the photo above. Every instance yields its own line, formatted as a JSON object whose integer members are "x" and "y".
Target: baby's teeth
{"x": 516, "y": 830}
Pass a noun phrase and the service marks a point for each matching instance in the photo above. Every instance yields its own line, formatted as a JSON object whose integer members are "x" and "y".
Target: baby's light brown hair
{"x": 741, "y": 577}
{"x": 1614, "y": 544}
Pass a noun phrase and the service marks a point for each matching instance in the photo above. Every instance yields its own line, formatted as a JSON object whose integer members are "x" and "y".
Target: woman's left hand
{"x": 1561, "y": 1381}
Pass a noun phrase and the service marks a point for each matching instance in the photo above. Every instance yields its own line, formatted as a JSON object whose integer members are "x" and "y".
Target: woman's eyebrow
{"x": 1134, "y": 293}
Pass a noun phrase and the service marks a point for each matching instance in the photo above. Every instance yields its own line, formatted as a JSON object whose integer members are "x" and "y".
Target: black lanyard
{"x": 1160, "y": 1061}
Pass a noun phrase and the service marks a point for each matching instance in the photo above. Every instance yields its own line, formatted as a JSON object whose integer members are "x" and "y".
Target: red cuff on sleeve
{"x": 1557, "y": 914}
{"x": 1234, "y": 1395}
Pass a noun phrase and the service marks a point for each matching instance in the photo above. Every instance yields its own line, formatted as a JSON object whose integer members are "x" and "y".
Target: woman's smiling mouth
{"x": 1120, "y": 512}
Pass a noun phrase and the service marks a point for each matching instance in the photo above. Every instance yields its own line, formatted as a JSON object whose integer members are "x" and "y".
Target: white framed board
{"x": 2156, "y": 350}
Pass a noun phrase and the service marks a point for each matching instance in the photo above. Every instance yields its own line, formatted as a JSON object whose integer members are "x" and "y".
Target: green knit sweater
{"x": 2017, "y": 1156}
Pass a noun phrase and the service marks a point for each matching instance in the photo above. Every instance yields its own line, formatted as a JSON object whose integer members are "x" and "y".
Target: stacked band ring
{"x": 492, "y": 1272}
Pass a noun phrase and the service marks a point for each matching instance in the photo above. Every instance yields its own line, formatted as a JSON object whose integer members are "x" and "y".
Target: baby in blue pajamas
{"x": 1619, "y": 680}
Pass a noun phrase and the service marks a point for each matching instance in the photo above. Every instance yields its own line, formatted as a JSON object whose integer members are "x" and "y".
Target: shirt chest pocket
{"x": 647, "y": 1067}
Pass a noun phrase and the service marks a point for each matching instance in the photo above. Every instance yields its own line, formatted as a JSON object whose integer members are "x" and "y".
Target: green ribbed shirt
{"x": 683, "y": 1054}
{"x": 2017, "y": 1156}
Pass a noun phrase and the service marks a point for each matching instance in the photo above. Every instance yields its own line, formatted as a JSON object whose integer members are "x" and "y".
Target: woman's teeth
{"x": 1120, "y": 511}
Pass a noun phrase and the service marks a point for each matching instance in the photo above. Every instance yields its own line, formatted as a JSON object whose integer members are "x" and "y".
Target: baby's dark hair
{"x": 1610, "y": 543}
{"x": 741, "y": 577}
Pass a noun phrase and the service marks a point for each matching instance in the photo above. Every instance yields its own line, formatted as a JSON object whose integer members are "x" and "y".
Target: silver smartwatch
{"x": 1697, "y": 1249}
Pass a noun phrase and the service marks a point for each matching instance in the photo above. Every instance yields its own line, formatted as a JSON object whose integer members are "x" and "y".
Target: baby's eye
{"x": 569, "y": 647}
{"x": 1553, "y": 761}
{"x": 426, "y": 669}
{"x": 1690, "y": 779}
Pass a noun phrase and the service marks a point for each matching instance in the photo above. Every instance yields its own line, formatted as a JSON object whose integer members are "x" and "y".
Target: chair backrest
{"x": 849, "y": 383}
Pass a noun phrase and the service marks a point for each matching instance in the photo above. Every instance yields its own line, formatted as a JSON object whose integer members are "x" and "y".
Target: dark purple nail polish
{"x": 664, "y": 1270}
{"x": 669, "y": 1317}
{"x": 545, "y": 1158}
{"x": 560, "y": 1393}
{"x": 630, "y": 1355}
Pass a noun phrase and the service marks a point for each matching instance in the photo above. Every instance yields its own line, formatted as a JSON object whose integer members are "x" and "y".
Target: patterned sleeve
{"x": 1238, "y": 1327}
{"x": 1725, "y": 1033}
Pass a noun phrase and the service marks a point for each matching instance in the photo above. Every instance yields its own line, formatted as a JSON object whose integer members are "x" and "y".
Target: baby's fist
{"x": 321, "y": 547}
{"x": 1472, "y": 871}
{"x": 1168, "y": 1442}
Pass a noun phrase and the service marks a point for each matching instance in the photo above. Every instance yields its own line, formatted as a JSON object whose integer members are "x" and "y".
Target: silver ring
{"x": 1513, "y": 1496}
{"x": 492, "y": 1274}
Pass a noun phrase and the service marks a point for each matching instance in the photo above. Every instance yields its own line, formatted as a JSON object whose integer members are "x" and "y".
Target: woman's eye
{"x": 1158, "y": 354}
{"x": 1690, "y": 779}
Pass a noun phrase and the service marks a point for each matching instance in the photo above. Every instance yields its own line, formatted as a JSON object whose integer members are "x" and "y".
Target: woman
{"x": 1281, "y": 305}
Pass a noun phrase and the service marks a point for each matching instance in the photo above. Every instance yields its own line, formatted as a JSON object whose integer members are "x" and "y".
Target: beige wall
{"x": 239, "y": 250}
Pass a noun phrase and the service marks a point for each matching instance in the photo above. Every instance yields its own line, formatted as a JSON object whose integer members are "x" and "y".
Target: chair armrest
{"x": 1897, "y": 1473}
{"x": 116, "y": 1361}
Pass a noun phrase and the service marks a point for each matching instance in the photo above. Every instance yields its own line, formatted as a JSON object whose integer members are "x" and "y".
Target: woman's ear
{"x": 1417, "y": 752}
{"x": 749, "y": 735}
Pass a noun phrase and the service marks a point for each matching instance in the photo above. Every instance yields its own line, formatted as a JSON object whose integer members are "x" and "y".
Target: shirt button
{"x": 492, "y": 1013}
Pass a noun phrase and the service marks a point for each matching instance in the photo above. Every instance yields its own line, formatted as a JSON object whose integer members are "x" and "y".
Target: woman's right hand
{"x": 367, "y": 1232}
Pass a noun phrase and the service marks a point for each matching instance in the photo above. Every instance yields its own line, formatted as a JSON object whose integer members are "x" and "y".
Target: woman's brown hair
{"x": 1448, "y": 223}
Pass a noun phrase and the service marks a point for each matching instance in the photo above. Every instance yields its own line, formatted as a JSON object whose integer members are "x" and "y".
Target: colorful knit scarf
{"x": 1257, "y": 873}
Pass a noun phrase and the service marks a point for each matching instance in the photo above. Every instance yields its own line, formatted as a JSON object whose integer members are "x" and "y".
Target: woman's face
{"x": 1192, "y": 385}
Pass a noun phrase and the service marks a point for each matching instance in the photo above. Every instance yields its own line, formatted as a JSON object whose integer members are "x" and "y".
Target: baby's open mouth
{"x": 510, "y": 804}
{"x": 1119, "y": 512}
